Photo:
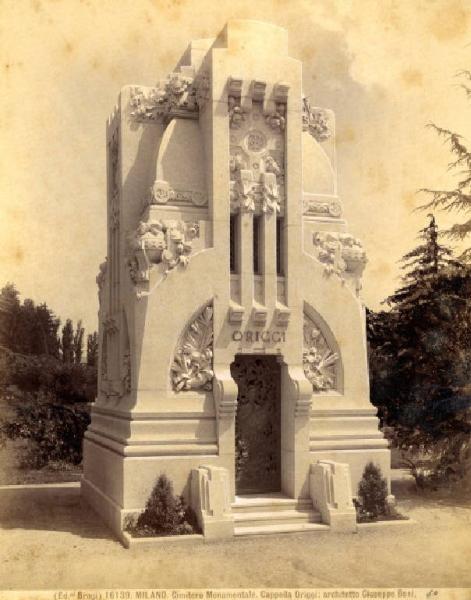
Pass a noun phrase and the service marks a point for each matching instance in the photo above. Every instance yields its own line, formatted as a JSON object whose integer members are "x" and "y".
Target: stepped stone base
{"x": 274, "y": 513}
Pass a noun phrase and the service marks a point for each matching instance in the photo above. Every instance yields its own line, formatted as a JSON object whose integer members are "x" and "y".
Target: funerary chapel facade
{"x": 232, "y": 334}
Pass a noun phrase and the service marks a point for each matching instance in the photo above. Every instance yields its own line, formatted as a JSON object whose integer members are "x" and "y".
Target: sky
{"x": 386, "y": 68}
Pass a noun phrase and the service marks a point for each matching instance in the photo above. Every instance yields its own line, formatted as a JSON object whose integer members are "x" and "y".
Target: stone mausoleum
{"x": 232, "y": 335}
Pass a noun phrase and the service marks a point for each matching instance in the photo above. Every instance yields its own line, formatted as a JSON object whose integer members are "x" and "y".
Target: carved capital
{"x": 225, "y": 393}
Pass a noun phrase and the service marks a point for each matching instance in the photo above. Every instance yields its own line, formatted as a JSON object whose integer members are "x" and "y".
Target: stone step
{"x": 277, "y": 517}
{"x": 275, "y": 529}
{"x": 269, "y": 502}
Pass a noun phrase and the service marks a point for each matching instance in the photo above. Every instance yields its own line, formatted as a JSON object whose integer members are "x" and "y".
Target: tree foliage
{"x": 457, "y": 199}
{"x": 43, "y": 380}
{"x": 420, "y": 354}
{"x": 56, "y": 431}
{"x": 27, "y": 328}
{"x": 92, "y": 349}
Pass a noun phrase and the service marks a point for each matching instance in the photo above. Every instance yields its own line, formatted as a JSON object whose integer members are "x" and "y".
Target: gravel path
{"x": 68, "y": 547}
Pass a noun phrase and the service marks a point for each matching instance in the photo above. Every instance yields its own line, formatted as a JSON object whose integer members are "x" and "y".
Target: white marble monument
{"x": 232, "y": 336}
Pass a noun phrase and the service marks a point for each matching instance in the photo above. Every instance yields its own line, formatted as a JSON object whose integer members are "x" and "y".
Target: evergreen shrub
{"x": 165, "y": 514}
{"x": 372, "y": 503}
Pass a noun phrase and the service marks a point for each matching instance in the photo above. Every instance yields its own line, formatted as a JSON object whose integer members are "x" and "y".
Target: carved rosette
{"x": 319, "y": 361}
{"x": 162, "y": 193}
{"x": 192, "y": 367}
{"x": 341, "y": 254}
{"x": 155, "y": 242}
{"x": 316, "y": 122}
{"x": 256, "y": 157}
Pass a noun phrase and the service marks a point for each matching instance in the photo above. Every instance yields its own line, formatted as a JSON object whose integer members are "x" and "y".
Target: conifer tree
{"x": 92, "y": 349}
{"x": 78, "y": 343}
{"x": 67, "y": 342}
{"x": 457, "y": 199}
{"x": 420, "y": 358}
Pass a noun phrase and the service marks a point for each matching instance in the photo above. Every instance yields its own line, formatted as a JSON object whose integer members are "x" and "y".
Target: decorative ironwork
{"x": 258, "y": 449}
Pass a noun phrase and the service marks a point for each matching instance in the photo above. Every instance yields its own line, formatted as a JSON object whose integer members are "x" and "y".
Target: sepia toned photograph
{"x": 235, "y": 299}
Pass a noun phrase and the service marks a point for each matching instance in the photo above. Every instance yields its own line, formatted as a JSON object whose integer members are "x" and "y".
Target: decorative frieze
{"x": 154, "y": 242}
{"x": 192, "y": 367}
{"x": 318, "y": 206}
{"x": 162, "y": 193}
{"x": 180, "y": 95}
{"x": 316, "y": 122}
{"x": 319, "y": 360}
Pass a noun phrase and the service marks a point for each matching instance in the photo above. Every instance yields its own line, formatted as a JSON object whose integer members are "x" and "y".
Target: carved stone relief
{"x": 317, "y": 206}
{"x": 156, "y": 242}
{"x": 163, "y": 193}
{"x": 126, "y": 378}
{"x": 319, "y": 361}
{"x": 181, "y": 94}
{"x": 342, "y": 255}
{"x": 192, "y": 367}
{"x": 256, "y": 158}
{"x": 101, "y": 278}
{"x": 316, "y": 122}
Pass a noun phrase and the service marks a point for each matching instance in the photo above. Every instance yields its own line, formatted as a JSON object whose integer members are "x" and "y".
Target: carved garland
{"x": 316, "y": 122}
{"x": 179, "y": 95}
{"x": 341, "y": 254}
{"x": 156, "y": 242}
{"x": 319, "y": 360}
{"x": 192, "y": 367}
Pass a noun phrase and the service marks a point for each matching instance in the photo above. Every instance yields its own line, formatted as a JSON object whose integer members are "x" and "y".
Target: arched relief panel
{"x": 322, "y": 359}
{"x": 192, "y": 363}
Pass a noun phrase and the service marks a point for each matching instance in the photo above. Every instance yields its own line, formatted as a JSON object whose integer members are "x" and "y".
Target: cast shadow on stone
{"x": 55, "y": 514}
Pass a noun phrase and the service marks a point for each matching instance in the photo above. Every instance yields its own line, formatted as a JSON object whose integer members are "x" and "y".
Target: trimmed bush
{"x": 373, "y": 492}
{"x": 165, "y": 514}
{"x": 372, "y": 503}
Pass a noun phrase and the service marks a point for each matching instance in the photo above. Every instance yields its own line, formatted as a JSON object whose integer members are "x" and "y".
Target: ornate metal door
{"x": 258, "y": 447}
